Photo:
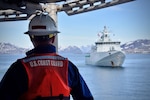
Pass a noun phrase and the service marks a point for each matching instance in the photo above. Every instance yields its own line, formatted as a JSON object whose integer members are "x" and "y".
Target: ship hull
{"x": 111, "y": 58}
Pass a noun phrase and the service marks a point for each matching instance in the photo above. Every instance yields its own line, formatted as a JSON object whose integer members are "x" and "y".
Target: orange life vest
{"x": 47, "y": 76}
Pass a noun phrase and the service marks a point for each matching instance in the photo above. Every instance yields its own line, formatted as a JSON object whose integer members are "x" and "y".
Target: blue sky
{"x": 128, "y": 21}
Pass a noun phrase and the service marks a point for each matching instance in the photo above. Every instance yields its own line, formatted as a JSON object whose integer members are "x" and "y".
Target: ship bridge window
{"x": 100, "y": 43}
{"x": 112, "y": 48}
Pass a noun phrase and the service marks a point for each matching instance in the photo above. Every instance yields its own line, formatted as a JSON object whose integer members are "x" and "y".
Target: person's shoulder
{"x": 17, "y": 65}
{"x": 71, "y": 63}
{"x": 15, "y": 70}
{"x": 72, "y": 66}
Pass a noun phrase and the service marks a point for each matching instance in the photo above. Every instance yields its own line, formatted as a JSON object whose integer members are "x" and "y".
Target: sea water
{"x": 129, "y": 82}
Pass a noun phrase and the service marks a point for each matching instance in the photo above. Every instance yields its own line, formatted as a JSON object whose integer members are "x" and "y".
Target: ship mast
{"x": 105, "y": 35}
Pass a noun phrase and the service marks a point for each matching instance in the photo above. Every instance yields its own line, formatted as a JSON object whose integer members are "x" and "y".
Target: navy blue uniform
{"x": 15, "y": 81}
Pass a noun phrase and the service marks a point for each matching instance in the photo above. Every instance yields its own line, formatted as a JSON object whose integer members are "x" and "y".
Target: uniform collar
{"x": 42, "y": 49}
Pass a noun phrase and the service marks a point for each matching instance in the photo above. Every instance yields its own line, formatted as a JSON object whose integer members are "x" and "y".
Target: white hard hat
{"x": 41, "y": 25}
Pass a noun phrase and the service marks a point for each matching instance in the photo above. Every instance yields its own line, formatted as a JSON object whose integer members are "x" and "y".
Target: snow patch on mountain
{"x": 137, "y": 46}
{"x": 10, "y": 48}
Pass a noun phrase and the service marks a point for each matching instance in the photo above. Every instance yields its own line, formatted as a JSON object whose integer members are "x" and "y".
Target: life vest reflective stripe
{"x": 47, "y": 76}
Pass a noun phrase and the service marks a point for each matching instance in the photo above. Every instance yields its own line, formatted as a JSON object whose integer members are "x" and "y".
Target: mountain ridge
{"x": 137, "y": 46}
{"x": 10, "y": 48}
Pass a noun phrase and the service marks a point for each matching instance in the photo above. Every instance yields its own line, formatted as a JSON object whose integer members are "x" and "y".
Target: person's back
{"x": 43, "y": 74}
{"x": 50, "y": 72}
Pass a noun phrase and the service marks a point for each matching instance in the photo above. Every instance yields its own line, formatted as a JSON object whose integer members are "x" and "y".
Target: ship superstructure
{"x": 105, "y": 52}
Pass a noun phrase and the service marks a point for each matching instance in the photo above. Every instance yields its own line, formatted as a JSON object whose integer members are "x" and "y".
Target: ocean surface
{"x": 129, "y": 82}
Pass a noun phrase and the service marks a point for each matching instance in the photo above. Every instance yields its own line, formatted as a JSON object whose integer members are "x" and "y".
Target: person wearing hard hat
{"x": 43, "y": 74}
